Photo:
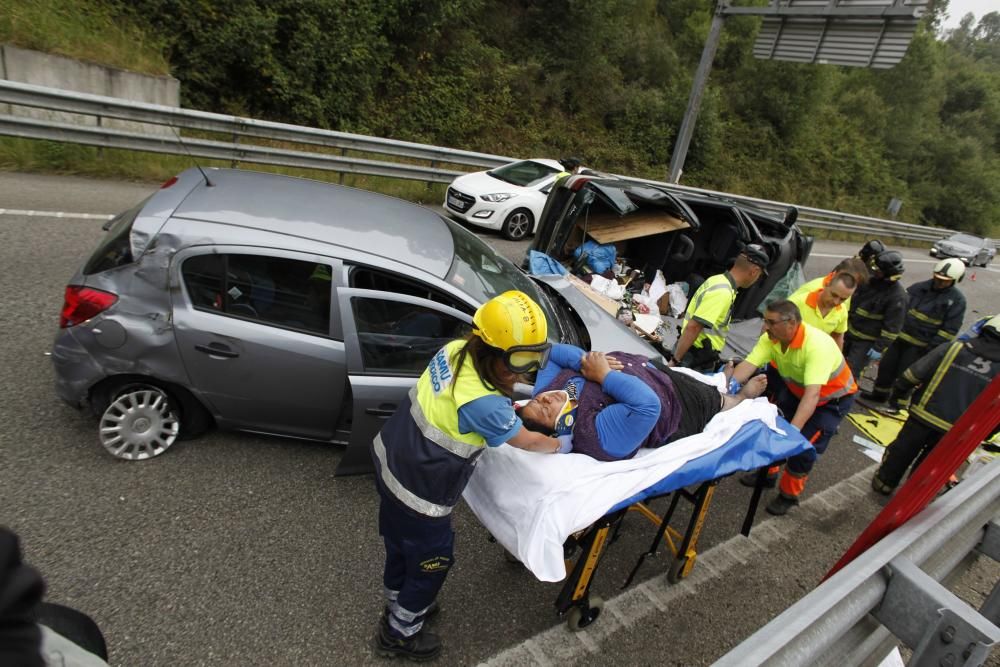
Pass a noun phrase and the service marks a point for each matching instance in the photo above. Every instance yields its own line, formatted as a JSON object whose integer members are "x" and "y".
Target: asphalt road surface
{"x": 236, "y": 549}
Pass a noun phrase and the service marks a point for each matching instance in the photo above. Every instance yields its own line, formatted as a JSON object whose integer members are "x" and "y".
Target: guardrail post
{"x": 100, "y": 149}
{"x": 434, "y": 164}
{"x": 942, "y": 629}
{"x": 343, "y": 152}
{"x": 990, "y": 546}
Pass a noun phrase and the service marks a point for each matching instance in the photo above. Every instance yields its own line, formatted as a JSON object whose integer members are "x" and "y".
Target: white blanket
{"x": 531, "y": 503}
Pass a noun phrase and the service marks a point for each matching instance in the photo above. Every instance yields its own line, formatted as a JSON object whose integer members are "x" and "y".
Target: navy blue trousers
{"x": 818, "y": 429}
{"x": 419, "y": 552}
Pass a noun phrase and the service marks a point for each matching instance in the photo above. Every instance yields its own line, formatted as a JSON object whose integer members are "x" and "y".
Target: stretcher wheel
{"x": 577, "y": 618}
{"x": 680, "y": 569}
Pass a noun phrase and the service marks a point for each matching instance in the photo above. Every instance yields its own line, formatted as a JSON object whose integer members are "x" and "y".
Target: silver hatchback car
{"x": 279, "y": 305}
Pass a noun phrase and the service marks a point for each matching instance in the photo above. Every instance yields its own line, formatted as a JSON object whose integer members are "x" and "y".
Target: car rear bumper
{"x": 75, "y": 370}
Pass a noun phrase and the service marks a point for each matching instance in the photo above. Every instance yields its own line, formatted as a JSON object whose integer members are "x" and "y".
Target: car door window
{"x": 400, "y": 338}
{"x": 277, "y": 291}
{"x": 363, "y": 277}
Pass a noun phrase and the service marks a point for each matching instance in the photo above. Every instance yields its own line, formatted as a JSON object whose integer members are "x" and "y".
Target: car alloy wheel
{"x": 518, "y": 224}
{"x": 140, "y": 423}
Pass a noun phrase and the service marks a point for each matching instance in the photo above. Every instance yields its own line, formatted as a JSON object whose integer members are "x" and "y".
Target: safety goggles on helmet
{"x": 527, "y": 358}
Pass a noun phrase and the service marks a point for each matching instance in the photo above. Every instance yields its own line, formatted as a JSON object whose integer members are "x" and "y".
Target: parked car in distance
{"x": 688, "y": 237}
{"x": 971, "y": 249}
{"x": 280, "y": 305}
{"x": 508, "y": 199}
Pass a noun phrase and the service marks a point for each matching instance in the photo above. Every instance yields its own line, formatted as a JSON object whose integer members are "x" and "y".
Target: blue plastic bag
{"x": 600, "y": 258}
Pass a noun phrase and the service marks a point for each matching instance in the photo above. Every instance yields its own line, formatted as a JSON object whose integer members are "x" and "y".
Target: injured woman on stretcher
{"x": 608, "y": 406}
{"x": 634, "y": 429}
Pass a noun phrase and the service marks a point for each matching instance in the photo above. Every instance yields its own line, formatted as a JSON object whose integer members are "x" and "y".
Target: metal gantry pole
{"x": 697, "y": 93}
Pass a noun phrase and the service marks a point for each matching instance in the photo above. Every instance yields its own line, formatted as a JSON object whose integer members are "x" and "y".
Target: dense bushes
{"x": 609, "y": 80}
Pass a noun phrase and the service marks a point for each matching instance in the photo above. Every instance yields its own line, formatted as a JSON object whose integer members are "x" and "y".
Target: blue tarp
{"x": 753, "y": 446}
{"x": 540, "y": 264}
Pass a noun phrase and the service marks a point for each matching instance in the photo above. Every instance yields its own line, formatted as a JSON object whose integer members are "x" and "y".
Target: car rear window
{"x": 115, "y": 248}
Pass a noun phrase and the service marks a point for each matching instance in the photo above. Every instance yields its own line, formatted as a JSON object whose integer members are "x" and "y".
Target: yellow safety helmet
{"x": 514, "y": 323}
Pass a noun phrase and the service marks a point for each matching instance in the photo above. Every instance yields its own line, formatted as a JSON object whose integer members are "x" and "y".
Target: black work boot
{"x": 424, "y": 645}
{"x": 750, "y": 479}
{"x": 881, "y": 487}
{"x": 781, "y": 504}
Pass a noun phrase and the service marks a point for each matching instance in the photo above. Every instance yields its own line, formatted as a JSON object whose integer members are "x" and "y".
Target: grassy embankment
{"x": 88, "y": 31}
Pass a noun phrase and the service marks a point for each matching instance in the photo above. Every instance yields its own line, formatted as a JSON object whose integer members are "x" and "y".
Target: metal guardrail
{"x": 54, "y": 99}
{"x": 890, "y": 594}
{"x": 240, "y": 128}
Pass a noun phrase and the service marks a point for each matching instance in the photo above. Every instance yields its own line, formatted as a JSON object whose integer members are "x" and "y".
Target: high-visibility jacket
{"x": 812, "y": 358}
{"x": 933, "y": 316}
{"x": 950, "y": 377}
{"x": 877, "y": 312}
{"x": 421, "y": 457}
{"x": 835, "y": 321}
{"x": 712, "y": 307}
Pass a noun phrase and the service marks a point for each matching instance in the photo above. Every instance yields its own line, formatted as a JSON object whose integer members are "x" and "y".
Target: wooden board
{"x": 607, "y": 303}
{"x": 609, "y": 228}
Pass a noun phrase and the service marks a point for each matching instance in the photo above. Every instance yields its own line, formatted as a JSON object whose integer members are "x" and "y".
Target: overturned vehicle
{"x": 688, "y": 237}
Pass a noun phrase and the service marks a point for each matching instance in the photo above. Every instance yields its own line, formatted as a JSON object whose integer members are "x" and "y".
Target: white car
{"x": 509, "y": 198}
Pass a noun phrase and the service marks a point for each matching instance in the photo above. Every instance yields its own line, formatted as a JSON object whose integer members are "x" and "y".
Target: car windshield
{"x": 480, "y": 272}
{"x": 967, "y": 239}
{"x": 524, "y": 173}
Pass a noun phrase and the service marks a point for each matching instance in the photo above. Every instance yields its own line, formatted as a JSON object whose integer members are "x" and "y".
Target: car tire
{"x": 519, "y": 223}
{"x": 141, "y": 419}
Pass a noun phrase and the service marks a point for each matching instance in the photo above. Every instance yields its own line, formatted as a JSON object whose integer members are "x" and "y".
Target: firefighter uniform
{"x": 812, "y": 358}
{"x": 949, "y": 378}
{"x": 877, "y": 313}
{"x": 712, "y": 307}
{"x": 933, "y": 317}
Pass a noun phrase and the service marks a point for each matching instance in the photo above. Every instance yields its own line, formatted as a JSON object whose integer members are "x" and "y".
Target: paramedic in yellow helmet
{"x": 428, "y": 449}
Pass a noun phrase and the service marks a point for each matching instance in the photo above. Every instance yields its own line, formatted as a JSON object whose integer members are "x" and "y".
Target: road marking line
{"x": 54, "y": 214}
{"x": 652, "y": 596}
{"x": 910, "y": 259}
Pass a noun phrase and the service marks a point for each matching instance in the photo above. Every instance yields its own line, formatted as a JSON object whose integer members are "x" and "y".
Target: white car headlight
{"x": 498, "y": 197}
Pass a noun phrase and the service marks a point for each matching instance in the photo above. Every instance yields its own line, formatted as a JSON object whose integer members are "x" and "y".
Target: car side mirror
{"x": 791, "y": 215}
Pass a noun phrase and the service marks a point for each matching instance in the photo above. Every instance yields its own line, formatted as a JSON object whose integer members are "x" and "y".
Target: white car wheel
{"x": 518, "y": 224}
{"x": 140, "y": 423}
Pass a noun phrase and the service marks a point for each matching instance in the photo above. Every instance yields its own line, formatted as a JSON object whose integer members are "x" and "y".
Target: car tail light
{"x": 167, "y": 183}
{"x": 578, "y": 183}
{"x": 82, "y": 303}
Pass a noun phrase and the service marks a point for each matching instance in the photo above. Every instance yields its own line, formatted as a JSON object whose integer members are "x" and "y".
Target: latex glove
{"x": 874, "y": 354}
{"x": 734, "y": 386}
{"x": 565, "y": 443}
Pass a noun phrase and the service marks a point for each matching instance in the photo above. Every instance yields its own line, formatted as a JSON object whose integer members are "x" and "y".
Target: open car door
{"x": 389, "y": 340}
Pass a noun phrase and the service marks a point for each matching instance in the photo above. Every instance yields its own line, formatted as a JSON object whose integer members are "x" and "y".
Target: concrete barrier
{"x": 45, "y": 69}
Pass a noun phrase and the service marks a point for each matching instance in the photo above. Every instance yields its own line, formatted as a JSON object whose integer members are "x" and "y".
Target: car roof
{"x": 327, "y": 213}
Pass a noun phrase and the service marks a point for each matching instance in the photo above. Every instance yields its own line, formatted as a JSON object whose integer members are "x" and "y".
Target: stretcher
{"x": 540, "y": 508}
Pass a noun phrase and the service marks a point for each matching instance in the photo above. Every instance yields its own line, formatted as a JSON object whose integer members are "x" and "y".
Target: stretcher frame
{"x": 575, "y": 601}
